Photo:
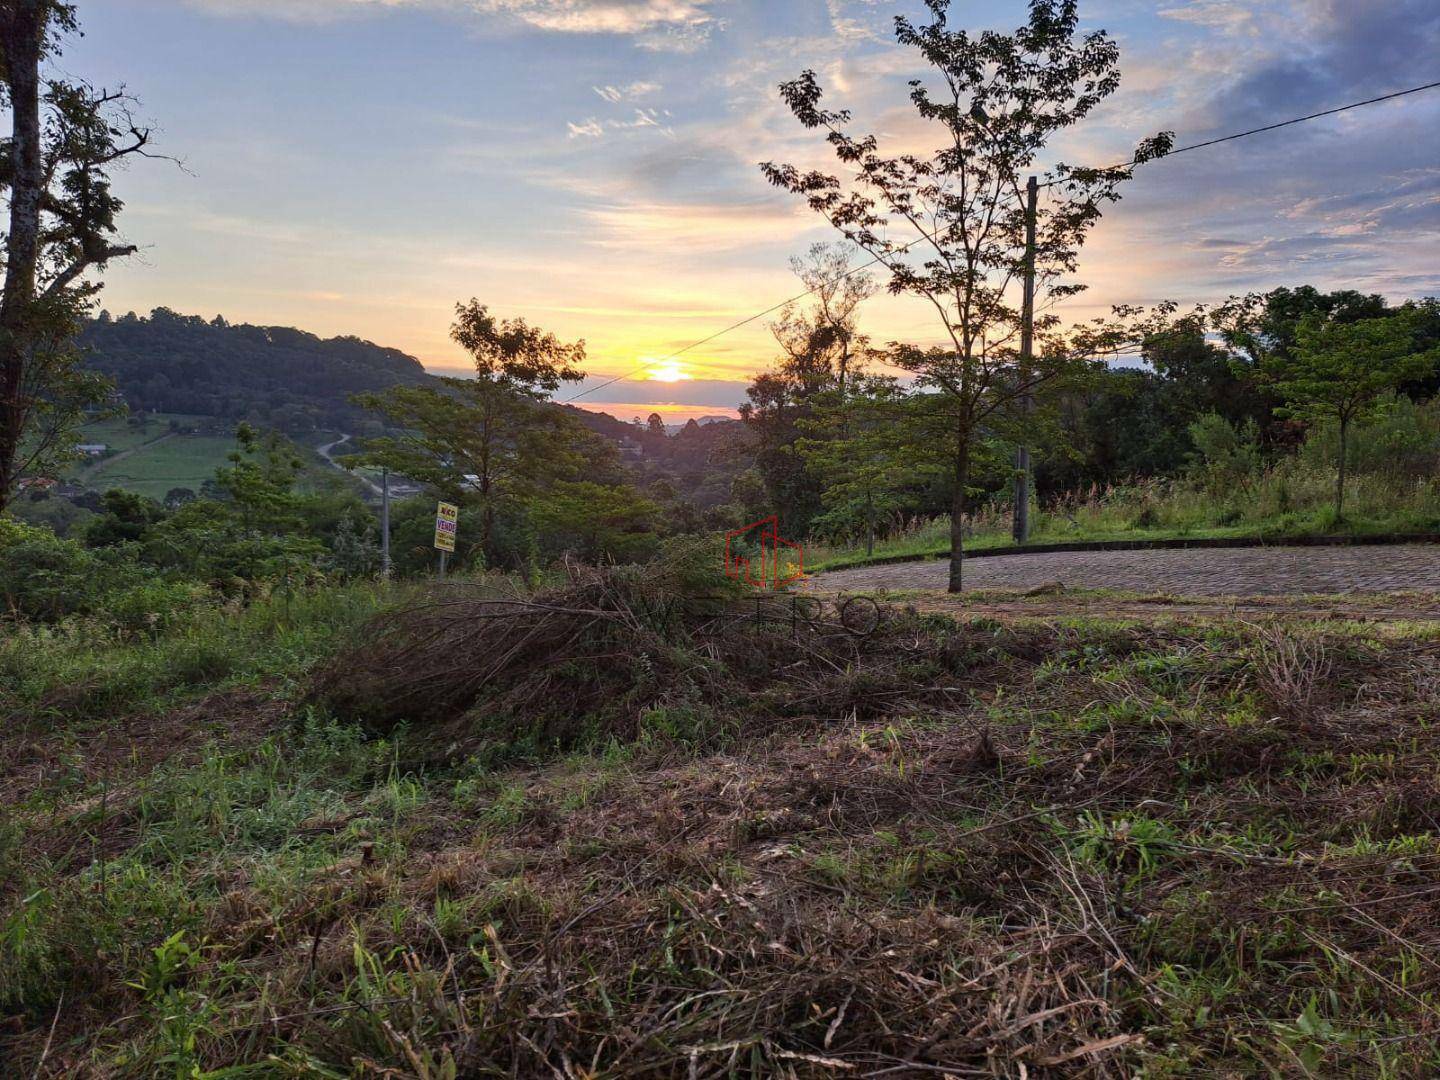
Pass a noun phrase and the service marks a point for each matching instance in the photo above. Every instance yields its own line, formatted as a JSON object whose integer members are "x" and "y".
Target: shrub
{"x": 42, "y": 576}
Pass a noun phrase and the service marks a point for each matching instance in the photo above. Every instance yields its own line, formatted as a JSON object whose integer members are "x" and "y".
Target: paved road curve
{"x": 1266, "y": 571}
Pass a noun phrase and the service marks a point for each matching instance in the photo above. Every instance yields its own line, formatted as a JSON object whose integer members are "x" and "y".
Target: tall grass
{"x": 1395, "y": 489}
{"x": 92, "y": 669}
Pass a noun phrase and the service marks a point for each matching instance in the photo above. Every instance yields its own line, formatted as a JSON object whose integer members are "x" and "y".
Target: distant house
{"x": 92, "y": 449}
{"x": 630, "y": 448}
{"x": 36, "y": 483}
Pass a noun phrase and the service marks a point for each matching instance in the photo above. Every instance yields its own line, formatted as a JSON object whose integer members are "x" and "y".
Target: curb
{"x": 1158, "y": 545}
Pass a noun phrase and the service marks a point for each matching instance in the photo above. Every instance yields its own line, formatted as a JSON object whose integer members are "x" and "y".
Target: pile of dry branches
{"x": 592, "y": 655}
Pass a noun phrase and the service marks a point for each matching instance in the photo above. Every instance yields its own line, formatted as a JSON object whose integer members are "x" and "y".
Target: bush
{"x": 42, "y": 576}
{"x": 1225, "y": 454}
{"x": 1403, "y": 442}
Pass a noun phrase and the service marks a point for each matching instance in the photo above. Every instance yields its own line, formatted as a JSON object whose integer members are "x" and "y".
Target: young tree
{"x": 822, "y": 352}
{"x": 492, "y": 438}
{"x": 65, "y": 139}
{"x": 1343, "y": 370}
{"x": 997, "y": 100}
{"x": 260, "y": 480}
{"x": 867, "y": 449}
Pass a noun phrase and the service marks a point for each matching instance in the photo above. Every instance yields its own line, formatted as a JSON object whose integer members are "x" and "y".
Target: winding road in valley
{"x": 325, "y": 452}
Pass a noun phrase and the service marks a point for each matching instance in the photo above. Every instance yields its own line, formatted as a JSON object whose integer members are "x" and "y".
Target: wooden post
{"x": 1021, "y": 530}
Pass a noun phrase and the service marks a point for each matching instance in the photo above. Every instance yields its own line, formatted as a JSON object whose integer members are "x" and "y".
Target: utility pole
{"x": 385, "y": 523}
{"x": 1021, "y": 530}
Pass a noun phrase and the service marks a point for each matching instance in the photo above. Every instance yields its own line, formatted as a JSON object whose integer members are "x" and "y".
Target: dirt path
{"x": 1241, "y": 572}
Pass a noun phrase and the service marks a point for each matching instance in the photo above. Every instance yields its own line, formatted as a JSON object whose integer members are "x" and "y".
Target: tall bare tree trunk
{"x": 1340, "y": 476}
{"x": 22, "y": 34}
{"x": 958, "y": 505}
{"x": 869, "y": 522}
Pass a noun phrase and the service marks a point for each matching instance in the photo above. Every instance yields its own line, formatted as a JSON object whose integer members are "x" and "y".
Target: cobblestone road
{"x": 1265, "y": 571}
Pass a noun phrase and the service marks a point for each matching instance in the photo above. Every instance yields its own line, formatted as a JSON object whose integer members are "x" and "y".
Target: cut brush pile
{"x": 590, "y": 658}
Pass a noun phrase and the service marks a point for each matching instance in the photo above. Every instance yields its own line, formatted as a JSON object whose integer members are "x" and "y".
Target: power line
{"x": 747, "y": 321}
{"x": 1269, "y": 127}
{"x": 931, "y": 236}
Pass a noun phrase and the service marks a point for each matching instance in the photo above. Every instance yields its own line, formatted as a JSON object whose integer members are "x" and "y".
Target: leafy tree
{"x": 65, "y": 139}
{"x": 863, "y": 447}
{"x": 998, "y": 99}
{"x": 595, "y": 521}
{"x": 495, "y": 438}
{"x": 1344, "y": 370}
{"x": 127, "y": 517}
{"x": 822, "y": 351}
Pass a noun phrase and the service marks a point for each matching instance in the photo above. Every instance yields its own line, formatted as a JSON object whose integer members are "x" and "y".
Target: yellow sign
{"x": 447, "y": 517}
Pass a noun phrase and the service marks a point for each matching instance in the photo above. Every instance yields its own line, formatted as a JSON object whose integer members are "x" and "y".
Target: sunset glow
{"x": 669, "y": 371}
{"x": 624, "y": 205}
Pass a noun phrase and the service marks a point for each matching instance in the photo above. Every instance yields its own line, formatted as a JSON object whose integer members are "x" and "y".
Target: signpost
{"x": 447, "y": 518}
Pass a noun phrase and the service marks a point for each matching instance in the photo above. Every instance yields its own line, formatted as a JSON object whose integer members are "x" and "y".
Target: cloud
{"x": 589, "y": 129}
{"x": 711, "y": 393}
{"x": 681, "y": 25}
{"x": 643, "y": 118}
{"x": 605, "y": 16}
{"x": 696, "y": 229}
{"x": 633, "y": 92}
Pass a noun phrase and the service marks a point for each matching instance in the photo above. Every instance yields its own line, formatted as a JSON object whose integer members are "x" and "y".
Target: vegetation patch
{"x": 940, "y": 846}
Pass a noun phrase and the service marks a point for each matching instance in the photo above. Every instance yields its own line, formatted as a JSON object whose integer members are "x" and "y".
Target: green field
{"x": 149, "y": 458}
{"x": 170, "y": 462}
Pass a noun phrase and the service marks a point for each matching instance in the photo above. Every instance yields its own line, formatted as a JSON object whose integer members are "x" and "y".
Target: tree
{"x": 822, "y": 351}
{"x": 260, "y": 479}
{"x": 595, "y": 521}
{"x": 493, "y": 438}
{"x": 821, "y": 341}
{"x": 865, "y": 447}
{"x": 65, "y": 139}
{"x": 1343, "y": 370}
{"x": 127, "y": 517}
{"x": 999, "y": 100}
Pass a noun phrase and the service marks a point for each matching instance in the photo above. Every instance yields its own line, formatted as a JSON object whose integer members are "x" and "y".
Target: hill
{"x": 214, "y": 373}
{"x": 273, "y": 376}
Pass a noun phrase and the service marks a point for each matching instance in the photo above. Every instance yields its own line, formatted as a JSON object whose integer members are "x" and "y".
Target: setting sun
{"x": 669, "y": 371}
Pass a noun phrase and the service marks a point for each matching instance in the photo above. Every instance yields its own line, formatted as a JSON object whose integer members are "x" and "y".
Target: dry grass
{"x": 962, "y": 849}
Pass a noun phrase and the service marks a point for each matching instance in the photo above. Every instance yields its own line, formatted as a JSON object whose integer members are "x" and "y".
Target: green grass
{"x": 1289, "y": 501}
{"x": 89, "y": 671}
{"x": 178, "y": 461}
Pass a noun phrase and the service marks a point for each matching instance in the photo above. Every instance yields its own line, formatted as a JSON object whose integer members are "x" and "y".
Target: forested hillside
{"x": 273, "y": 376}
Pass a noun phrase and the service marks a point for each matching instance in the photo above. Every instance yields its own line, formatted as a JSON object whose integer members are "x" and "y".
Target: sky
{"x": 359, "y": 166}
